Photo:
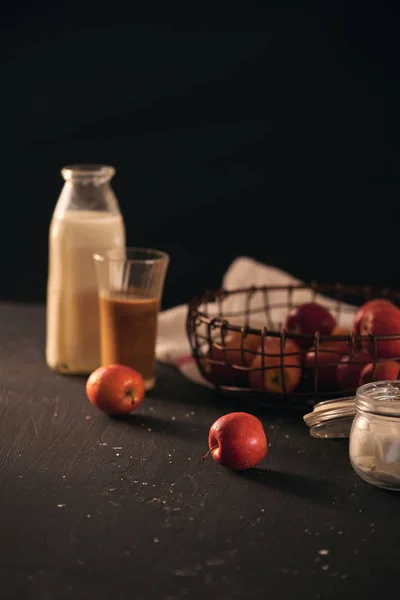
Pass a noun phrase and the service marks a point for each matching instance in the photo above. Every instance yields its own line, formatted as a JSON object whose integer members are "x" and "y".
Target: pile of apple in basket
{"x": 324, "y": 358}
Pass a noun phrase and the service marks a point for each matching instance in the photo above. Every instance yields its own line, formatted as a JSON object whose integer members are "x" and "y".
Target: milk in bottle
{"x": 86, "y": 220}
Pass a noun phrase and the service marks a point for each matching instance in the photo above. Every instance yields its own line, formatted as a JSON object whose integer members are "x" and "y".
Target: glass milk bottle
{"x": 86, "y": 220}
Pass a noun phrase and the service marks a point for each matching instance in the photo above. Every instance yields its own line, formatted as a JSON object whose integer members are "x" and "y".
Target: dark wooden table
{"x": 96, "y": 508}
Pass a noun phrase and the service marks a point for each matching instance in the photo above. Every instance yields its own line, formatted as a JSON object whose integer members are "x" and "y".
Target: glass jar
{"x": 86, "y": 220}
{"x": 374, "y": 446}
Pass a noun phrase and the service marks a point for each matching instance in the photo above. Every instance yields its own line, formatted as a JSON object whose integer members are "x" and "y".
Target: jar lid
{"x": 332, "y": 418}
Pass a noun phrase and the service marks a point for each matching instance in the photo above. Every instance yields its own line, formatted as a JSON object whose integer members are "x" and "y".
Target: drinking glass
{"x": 130, "y": 285}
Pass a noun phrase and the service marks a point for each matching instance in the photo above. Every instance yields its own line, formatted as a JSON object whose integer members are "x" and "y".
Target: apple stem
{"x": 209, "y": 452}
{"x": 129, "y": 395}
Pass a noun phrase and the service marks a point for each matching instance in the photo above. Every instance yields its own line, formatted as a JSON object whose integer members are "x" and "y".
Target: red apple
{"x": 237, "y": 441}
{"x": 382, "y": 322}
{"x": 229, "y": 354}
{"x": 348, "y": 370}
{"x": 329, "y": 355}
{"x": 282, "y": 371}
{"x": 307, "y": 319}
{"x": 115, "y": 389}
{"x": 384, "y": 371}
{"x": 341, "y": 331}
{"x": 368, "y": 308}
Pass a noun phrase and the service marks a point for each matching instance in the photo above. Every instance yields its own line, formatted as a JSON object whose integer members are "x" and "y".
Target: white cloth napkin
{"x": 172, "y": 342}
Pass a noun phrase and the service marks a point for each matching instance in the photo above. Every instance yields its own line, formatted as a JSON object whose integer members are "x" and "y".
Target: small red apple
{"x": 382, "y": 322}
{"x": 325, "y": 362}
{"x": 369, "y": 308}
{"x": 307, "y": 319}
{"x": 237, "y": 441}
{"x": 341, "y": 331}
{"x": 229, "y": 353}
{"x": 282, "y": 371}
{"x": 384, "y": 371}
{"x": 115, "y": 389}
{"x": 349, "y": 369}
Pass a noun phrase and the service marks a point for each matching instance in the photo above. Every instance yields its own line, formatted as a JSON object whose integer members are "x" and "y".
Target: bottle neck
{"x": 87, "y": 188}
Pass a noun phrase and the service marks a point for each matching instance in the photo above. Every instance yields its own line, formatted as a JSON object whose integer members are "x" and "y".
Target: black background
{"x": 272, "y": 133}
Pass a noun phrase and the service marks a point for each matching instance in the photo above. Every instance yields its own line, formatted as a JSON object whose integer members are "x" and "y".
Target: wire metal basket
{"x": 231, "y": 333}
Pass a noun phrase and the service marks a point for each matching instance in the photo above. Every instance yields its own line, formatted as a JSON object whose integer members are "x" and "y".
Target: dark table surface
{"x": 96, "y": 508}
